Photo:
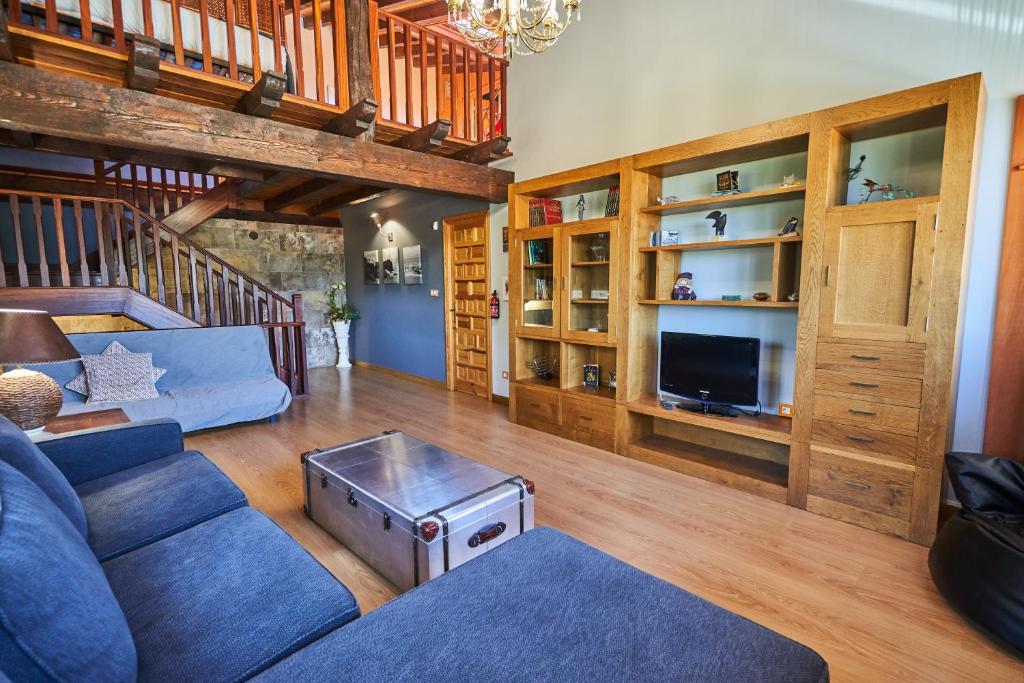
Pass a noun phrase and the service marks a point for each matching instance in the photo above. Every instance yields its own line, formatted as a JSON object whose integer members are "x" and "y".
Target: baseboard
{"x": 499, "y": 399}
{"x": 401, "y": 375}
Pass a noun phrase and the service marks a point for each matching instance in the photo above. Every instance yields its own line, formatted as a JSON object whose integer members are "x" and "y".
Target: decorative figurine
{"x": 671, "y": 199}
{"x": 790, "y": 180}
{"x": 591, "y": 374}
{"x": 612, "y": 207}
{"x": 795, "y": 296}
{"x": 581, "y": 206}
{"x": 790, "y": 227}
{"x": 719, "y": 219}
{"x": 888, "y": 191}
{"x": 727, "y": 182}
{"x": 762, "y": 296}
{"x": 683, "y": 289}
{"x": 852, "y": 173}
{"x": 612, "y": 380}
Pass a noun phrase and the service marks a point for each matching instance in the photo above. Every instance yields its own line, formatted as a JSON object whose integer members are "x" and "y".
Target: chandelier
{"x": 518, "y": 26}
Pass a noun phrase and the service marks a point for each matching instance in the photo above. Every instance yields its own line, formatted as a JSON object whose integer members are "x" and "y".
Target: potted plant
{"x": 340, "y": 317}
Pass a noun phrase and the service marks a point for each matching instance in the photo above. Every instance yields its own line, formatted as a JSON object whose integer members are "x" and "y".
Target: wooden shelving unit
{"x": 775, "y": 194}
{"x": 848, "y": 334}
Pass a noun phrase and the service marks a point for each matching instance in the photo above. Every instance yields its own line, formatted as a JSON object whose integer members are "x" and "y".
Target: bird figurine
{"x": 852, "y": 173}
{"x": 790, "y": 226}
{"x": 719, "y": 219}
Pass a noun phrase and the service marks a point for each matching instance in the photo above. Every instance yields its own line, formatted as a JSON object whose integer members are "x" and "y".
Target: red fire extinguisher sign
{"x": 495, "y": 305}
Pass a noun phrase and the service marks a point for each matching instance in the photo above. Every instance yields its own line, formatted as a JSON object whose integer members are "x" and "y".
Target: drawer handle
{"x": 857, "y": 485}
{"x": 864, "y": 385}
{"x": 860, "y": 356}
{"x": 535, "y": 405}
{"x": 867, "y": 413}
{"x": 862, "y": 439}
{"x": 587, "y": 418}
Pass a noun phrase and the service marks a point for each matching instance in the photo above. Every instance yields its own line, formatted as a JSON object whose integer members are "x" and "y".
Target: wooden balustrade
{"x": 161, "y": 191}
{"x": 420, "y": 74}
{"x": 427, "y": 75}
{"x": 71, "y": 241}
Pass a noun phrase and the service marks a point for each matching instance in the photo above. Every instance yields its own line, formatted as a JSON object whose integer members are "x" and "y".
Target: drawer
{"x": 860, "y": 483}
{"x": 589, "y": 422}
{"x": 867, "y": 413}
{"x": 888, "y": 445}
{"x": 873, "y": 386}
{"x": 903, "y": 358}
{"x": 538, "y": 409}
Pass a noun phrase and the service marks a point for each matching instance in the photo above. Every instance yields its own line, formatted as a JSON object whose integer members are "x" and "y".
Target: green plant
{"x": 335, "y": 313}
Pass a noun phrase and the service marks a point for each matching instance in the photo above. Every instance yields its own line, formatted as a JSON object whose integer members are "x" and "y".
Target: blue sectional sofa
{"x": 124, "y": 557}
{"x": 215, "y": 376}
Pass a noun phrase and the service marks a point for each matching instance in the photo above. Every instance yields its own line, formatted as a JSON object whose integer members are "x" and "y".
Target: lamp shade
{"x": 31, "y": 337}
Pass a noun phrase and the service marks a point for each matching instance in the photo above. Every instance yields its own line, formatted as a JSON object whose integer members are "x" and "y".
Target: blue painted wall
{"x": 402, "y": 326}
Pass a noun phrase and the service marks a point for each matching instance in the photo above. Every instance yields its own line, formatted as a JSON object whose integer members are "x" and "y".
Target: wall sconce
{"x": 377, "y": 220}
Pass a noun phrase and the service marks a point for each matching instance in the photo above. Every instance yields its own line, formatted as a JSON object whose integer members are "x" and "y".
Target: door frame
{"x": 447, "y": 226}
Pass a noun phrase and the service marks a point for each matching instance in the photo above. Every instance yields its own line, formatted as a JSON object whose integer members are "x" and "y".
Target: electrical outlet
{"x": 435, "y": 292}
{"x": 504, "y": 374}
{"x": 786, "y": 409}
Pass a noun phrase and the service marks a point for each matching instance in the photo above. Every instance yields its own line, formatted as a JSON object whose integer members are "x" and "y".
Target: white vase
{"x": 341, "y": 338}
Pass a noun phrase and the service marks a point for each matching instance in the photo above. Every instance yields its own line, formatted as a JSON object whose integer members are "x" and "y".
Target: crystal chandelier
{"x": 519, "y": 26}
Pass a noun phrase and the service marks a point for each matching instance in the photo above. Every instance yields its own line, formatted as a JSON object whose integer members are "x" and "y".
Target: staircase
{"x": 73, "y": 255}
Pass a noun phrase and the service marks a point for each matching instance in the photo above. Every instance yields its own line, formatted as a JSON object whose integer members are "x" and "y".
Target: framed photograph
{"x": 371, "y": 267}
{"x": 412, "y": 265}
{"x": 389, "y": 265}
{"x": 504, "y": 239}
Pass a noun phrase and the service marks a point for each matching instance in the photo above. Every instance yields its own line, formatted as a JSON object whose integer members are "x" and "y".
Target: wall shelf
{"x": 716, "y": 302}
{"x": 601, "y": 392}
{"x": 589, "y": 264}
{"x": 727, "y": 244}
{"x": 775, "y": 194}
{"x": 764, "y": 427}
{"x": 602, "y": 302}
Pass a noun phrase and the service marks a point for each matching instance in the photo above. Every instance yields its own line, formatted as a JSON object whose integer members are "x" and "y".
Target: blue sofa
{"x": 216, "y": 376}
{"x": 123, "y": 557}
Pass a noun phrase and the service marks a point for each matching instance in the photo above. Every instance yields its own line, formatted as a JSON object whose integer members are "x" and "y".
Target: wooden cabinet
{"x": 861, "y": 490}
{"x": 539, "y": 276}
{"x": 877, "y": 271}
{"x": 590, "y": 259}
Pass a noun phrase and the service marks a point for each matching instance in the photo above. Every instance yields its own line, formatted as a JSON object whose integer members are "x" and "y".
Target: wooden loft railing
{"x": 161, "y": 190}
{"x": 420, "y": 74}
{"x": 424, "y": 75}
{"x": 77, "y": 242}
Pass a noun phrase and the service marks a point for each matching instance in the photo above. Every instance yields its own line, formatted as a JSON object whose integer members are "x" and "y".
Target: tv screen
{"x": 710, "y": 368}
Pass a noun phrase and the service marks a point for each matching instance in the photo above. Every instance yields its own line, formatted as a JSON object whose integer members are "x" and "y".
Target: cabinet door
{"x": 538, "y": 267}
{"x": 589, "y": 297}
{"x": 877, "y": 274}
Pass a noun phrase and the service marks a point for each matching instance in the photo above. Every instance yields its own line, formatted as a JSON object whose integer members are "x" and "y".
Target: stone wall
{"x": 288, "y": 259}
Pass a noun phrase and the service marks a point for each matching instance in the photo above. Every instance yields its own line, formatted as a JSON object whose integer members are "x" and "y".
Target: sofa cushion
{"x": 80, "y": 384}
{"x": 225, "y": 599}
{"x": 58, "y": 617}
{"x": 119, "y": 377}
{"x": 140, "y": 505}
{"x": 18, "y": 451}
{"x": 544, "y": 606}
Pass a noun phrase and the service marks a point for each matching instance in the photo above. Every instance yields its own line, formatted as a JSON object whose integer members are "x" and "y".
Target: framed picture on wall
{"x": 504, "y": 239}
{"x": 412, "y": 265}
{"x": 371, "y": 267}
{"x": 389, "y": 265}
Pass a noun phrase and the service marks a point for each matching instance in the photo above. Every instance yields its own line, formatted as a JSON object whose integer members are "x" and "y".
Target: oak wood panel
{"x": 869, "y": 385}
{"x": 42, "y": 102}
{"x": 861, "y": 482}
{"x": 905, "y": 359}
{"x": 875, "y": 442}
{"x": 864, "y": 600}
{"x": 1006, "y": 377}
{"x": 901, "y": 419}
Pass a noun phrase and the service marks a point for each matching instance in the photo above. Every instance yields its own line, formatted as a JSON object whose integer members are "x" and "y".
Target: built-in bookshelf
{"x": 870, "y": 378}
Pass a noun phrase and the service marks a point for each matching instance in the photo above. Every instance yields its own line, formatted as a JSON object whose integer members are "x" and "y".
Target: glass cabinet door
{"x": 539, "y": 276}
{"x": 591, "y": 263}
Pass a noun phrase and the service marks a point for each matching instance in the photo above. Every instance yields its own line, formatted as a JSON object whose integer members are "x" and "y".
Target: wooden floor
{"x": 861, "y": 599}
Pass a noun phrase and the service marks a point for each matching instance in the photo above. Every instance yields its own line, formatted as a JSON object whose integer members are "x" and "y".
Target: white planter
{"x": 341, "y": 338}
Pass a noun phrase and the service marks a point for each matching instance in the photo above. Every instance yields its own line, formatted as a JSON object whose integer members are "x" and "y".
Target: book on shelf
{"x": 538, "y": 252}
{"x": 542, "y": 290}
{"x": 545, "y": 212}
{"x": 664, "y": 238}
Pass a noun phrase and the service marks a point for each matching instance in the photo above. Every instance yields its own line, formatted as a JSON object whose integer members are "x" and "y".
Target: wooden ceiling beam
{"x": 484, "y": 152}
{"x": 307, "y": 192}
{"x": 356, "y": 121}
{"x": 143, "y": 72}
{"x": 264, "y": 97}
{"x": 46, "y": 103}
{"x": 426, "y": 138}
{"x": 353, "y": 194}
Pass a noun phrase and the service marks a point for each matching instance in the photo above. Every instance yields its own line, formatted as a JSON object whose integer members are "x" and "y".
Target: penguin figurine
{"x": 719, "y": 219}
{"x": 790, "y": 227}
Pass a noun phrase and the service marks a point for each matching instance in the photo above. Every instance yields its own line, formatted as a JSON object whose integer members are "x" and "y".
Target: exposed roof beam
{"x": 37, "y": 101}
{"x": 353, "y": 194}
{"x": 143, "y": 72}
{"x": 358, "y": 119}
{"x": 309, "y": 191}
{"x": 484, "y": 152}
{"x": 426, "y": 138}
{"x": 264, "y": 97}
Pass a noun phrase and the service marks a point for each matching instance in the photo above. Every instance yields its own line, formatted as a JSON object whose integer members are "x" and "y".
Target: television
{"x": 712, "y": 369}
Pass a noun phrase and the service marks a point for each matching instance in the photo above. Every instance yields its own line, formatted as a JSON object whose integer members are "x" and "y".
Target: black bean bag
{"x": 977, "y": 560}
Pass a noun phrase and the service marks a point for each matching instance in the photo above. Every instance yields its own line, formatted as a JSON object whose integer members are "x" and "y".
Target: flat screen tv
{"x": 710, "y": 368}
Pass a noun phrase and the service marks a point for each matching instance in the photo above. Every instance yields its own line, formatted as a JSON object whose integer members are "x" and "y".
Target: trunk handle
{"x": 487, "y": 534}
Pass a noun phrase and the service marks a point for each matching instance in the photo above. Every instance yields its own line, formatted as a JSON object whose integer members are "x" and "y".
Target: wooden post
{"x": 143, "y": 72}
{"x": 300, "y": 348}
{"x": 6, "y": 46}
{"x": 357, "y": 43}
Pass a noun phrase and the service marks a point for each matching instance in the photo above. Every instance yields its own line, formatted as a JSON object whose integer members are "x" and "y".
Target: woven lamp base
{"x": 28, "y": 398}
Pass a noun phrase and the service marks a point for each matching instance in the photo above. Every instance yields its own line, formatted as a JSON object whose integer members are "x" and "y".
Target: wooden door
{"x": 467, "y": 295}
{"x": 537, "y": 265}
{"x": 877, "y": 271}
{"x": 589, "y": 260}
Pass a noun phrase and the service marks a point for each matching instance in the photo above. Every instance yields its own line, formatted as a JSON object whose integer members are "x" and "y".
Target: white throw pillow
{"x": 80, "y": 385}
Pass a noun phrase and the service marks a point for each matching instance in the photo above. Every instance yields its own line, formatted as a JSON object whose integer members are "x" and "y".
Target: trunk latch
{"x": 387, "y": 521}
{"x": 352, "y": 498}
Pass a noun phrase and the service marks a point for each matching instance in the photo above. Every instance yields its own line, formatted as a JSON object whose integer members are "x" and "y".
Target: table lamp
{"x": 28, "y": 398}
